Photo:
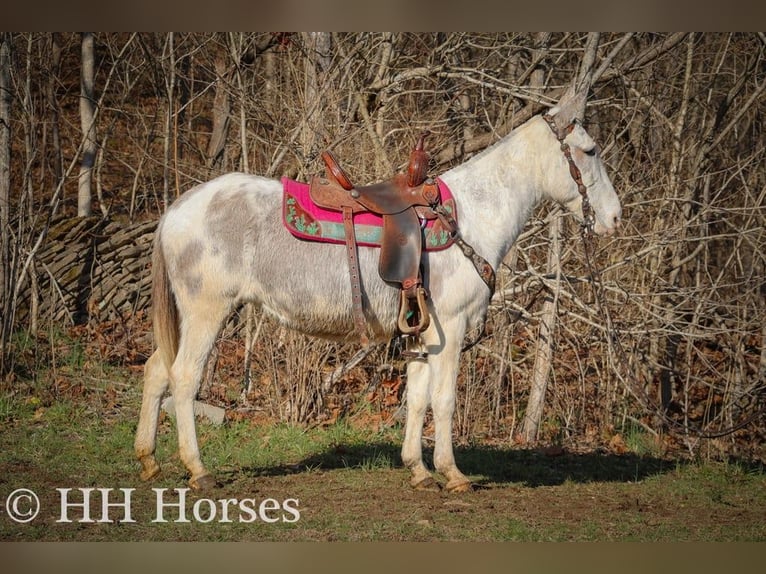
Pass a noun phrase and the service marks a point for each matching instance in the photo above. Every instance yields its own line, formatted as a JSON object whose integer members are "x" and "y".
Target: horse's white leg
{"x": 155, "y": 383}
{"x": 417, "y": 402}
{"x": 444, "y": 367}
{"x": 198, "y": 335}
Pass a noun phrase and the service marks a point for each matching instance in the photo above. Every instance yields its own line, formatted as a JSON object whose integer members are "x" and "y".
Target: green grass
{"x": 351, "y": 485}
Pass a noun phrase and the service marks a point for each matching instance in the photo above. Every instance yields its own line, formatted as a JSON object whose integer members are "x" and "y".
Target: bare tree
{"x": 221, "y": 106}
{"x": 53, "y": 106}
{"x": 6, "y": 289}
{"x": 546, "y": 336}
{"x": 171, "y": 139}
{"x": 679, "y": 119}
{"x": 318, "y": 57}
{"x": 88, "y": 124}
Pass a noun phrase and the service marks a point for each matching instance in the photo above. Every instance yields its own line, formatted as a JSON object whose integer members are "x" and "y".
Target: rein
{"x": 589, "y": 218}
{"x": 613, "y": 341}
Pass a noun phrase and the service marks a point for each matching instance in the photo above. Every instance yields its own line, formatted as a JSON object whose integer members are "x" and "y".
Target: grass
{"x": 349, "y": 484}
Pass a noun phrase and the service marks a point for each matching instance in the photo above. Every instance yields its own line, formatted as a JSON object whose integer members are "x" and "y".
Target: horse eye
{"x": 591, "y": 152}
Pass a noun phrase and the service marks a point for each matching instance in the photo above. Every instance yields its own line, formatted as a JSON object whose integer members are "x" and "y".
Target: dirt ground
{"x": 361, "y": 493}
{"x": 71, "y": 439}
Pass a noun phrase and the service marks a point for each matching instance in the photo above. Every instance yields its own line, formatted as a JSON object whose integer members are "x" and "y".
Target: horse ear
{"x": 571, "y": 106}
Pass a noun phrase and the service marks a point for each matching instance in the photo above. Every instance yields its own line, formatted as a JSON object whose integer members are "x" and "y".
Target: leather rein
{"x": 482, "y": 266}
{"x": 589, "y": 218}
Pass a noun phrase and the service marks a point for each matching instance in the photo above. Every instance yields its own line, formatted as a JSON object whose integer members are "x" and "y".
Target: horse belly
{"x": 306, "y": 286}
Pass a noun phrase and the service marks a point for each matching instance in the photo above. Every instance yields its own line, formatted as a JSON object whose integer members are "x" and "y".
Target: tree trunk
{"x": 87, "y": 120}
{"x": 170, "y": 135}
{"x": 53, "y": 106}
{"x": 6, "y": 292}
{"x": 545, "y": 339}
{"x": 221, "y": 113}
{"x": 31, "y": 152}
{"x": 544, "y": 350}
{"x": 318, "y": 46}
{"x": 236, "y": 45}
{"x": 665, "y": 350}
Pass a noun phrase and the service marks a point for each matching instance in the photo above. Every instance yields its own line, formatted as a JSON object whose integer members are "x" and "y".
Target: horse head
{"x": 581, "y": 183}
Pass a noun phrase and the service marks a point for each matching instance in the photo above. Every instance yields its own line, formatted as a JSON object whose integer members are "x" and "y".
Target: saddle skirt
{"x": 306, "y": 220}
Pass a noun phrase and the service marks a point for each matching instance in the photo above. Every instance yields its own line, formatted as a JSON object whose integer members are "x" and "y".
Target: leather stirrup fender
{"x": 355, "y": 276}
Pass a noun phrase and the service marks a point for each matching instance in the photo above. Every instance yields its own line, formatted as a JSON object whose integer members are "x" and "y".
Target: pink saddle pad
{"x": 306, "y": 220}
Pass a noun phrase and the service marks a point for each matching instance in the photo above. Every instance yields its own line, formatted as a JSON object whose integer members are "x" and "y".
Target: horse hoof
{"x": 149, "y": 468}
{"x": 204, "y": 482}
{"x": 428, "y": 483}
{"x": 459, "y": 486}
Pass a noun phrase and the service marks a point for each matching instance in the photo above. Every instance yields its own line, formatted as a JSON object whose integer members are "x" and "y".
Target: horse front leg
{"x": 418, "y": 396}
{"x": 444, "y": 367}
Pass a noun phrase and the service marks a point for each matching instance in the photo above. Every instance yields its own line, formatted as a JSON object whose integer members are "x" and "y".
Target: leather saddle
{"x": 404, "y": 202}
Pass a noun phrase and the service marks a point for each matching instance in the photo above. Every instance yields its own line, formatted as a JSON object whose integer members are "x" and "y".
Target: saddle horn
{"x": 418, "y": 167}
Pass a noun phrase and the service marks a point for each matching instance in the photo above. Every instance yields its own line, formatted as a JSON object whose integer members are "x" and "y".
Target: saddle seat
{"x": 404, "y": 201}
{"x": 384, "y": 198}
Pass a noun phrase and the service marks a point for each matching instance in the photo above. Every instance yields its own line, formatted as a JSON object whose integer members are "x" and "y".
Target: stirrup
{"x": 425, "y": 318}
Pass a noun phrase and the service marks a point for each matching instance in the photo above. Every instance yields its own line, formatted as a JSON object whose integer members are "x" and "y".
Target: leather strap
{"x": 482, "y": 266}
{"x": 589, "y": 218}
{"x": 354, "y": 274}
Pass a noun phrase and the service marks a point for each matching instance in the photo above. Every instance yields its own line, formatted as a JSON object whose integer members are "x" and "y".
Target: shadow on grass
{"x": 491, "y": 467}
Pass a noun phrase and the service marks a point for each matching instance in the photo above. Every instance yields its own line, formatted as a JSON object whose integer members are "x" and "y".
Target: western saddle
{"x": 403, "y": 201}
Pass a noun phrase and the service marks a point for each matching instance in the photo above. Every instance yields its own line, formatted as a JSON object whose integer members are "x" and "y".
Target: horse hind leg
{"x": 198, "y": 335}
{"x": 155, "y": 383}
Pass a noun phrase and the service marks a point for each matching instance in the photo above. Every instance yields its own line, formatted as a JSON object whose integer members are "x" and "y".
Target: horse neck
{"x": 497, "y": 190}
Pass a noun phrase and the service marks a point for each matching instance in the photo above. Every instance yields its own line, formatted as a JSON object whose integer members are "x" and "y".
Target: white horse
{"x": 223, "y": 243}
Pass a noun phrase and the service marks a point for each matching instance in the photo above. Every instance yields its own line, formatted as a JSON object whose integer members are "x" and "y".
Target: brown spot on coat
{"x": 186, "y": 266}
{"x": 228, "y": 218}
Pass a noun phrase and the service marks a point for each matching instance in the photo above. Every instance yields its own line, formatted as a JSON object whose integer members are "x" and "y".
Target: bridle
{"x": 483, "y": 268}
{"x": 589, "y": 218}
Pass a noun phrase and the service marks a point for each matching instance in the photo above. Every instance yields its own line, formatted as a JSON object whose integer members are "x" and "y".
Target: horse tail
{"x": 164, "y": 307}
